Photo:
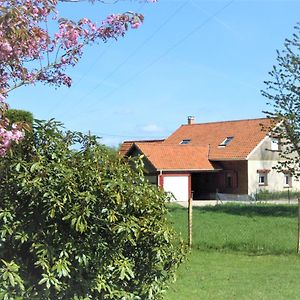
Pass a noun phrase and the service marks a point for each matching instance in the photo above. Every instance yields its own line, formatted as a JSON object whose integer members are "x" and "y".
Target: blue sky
{"x": 208, "y": 59}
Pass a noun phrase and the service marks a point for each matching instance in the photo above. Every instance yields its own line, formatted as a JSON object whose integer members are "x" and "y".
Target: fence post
{"x": 190, "y": 221}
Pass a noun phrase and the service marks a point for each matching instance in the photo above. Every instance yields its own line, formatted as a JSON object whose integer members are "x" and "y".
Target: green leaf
{"x": 11, "y": 279}
{"x": 34, "y": 167}
{"x": 18, "y": 166}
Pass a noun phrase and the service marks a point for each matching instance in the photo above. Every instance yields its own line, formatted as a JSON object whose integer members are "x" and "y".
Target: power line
{"x": 157, "y": 59}
{"x": 92, "y": 66}
{"x": 136, "y": 50}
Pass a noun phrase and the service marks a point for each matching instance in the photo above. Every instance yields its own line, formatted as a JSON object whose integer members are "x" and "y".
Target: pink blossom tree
{"x": 29, "y": 53}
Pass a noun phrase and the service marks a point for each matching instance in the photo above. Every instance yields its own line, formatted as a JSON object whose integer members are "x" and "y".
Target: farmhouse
{"x": 233, "y": 158}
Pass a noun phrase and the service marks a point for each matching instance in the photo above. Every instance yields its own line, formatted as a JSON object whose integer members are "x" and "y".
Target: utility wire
{"x": 92, "y": 66}
{"x": 134, "y": 52}
{"x": 157, "y": 59}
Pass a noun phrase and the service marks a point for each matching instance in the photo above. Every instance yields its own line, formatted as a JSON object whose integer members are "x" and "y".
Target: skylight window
{"x": 226, "y": 141}
{"x": 185, "y": 142}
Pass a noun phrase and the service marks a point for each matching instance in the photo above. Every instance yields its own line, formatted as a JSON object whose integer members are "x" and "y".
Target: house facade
{"x": 205, "y": 159}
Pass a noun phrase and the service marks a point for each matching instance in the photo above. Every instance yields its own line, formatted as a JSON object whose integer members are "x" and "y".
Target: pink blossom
{"x": 135, "y": 25}
{"x": 18, "y": 56}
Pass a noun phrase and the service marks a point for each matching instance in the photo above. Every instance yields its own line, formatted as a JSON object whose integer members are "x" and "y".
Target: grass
{"x": 267, "y": 195}
{"x": 239, "y": 252}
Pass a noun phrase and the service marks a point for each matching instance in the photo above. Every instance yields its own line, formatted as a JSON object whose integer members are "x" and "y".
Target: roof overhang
{"x": 227, "y": 159}
{"x": 189, "y": 170}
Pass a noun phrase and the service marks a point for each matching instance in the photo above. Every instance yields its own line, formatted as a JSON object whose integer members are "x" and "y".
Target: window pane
{"x": 274, "y": 144}
{"x": 261, "y": 179}
{"x": 226, "y": 141}
{"x": 286, "y": 179}
{"x": 185, "y": 142}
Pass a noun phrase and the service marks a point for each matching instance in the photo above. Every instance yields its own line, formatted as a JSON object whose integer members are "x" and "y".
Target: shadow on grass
{"x": 271, "y": 210}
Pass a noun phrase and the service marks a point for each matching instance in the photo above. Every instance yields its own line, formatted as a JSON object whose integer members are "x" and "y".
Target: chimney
{"x": 191, "y": 120}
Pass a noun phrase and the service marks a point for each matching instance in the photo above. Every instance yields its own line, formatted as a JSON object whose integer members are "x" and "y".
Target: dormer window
{"x": 185, "y": 142}
{"x": 226, "y": 141}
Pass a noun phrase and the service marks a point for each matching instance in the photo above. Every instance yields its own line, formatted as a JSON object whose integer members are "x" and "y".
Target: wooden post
{"x": 190, "y": 221}
{"x": 298, "y": 246}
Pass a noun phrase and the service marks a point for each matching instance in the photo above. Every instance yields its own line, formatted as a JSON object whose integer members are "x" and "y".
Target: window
{"x": 262, "y": 179}
{"x": 287, "y": 180}
{"x": 228, "y": 180}
{"x": 263, "y": 176}
{"x": 231, "y": 179}
{"x": 226, "y": 141}
{"x": 185, "y": 142}
{"x": 275, "y": 144}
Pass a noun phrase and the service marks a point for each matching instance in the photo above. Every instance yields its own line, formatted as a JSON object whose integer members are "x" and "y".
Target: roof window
{"x": 226, "y": 141}
{"x": 185, "y": 142}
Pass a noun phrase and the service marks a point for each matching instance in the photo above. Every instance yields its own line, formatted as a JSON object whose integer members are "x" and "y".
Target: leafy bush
{"x": 18, "y": 115}
{"x": 81, "y": 224}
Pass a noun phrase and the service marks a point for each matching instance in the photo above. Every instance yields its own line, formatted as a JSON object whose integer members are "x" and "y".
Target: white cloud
{"x": 152, "y": 128}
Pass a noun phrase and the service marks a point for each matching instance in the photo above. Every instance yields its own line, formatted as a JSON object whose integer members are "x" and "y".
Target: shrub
{"x": 81, "y": 224}
{"x": 18, "y": 115}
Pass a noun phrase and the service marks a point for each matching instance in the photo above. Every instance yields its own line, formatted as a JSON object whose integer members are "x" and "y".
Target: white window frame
{"x": 226, "y": 141}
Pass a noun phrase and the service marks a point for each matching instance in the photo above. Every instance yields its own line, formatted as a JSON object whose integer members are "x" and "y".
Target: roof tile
{"x": 246, "y": 136}
{"x": 176, "y": 157}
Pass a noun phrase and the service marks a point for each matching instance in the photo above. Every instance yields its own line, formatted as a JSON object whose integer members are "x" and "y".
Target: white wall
{"x": 178, "y": 186}
{"x": 263, "y": 158}
{"x": 276, "y": 181}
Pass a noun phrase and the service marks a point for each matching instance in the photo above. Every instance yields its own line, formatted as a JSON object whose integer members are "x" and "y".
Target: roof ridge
{"x": 143, "y": 141}
{"x": 175, "y": 144}
{"x": 230, "y": 121}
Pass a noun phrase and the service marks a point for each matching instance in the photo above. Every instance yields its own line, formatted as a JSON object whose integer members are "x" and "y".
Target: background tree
{"x": 18, "y": 115}
{"x": 283, "y": 93}
{"x": 81, "y": 224}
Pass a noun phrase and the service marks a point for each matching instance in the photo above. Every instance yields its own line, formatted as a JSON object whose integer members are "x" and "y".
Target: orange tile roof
{"x": 176, "y": 157}
{"x": 246, "y": 136}
{"x": 126, "y": 145}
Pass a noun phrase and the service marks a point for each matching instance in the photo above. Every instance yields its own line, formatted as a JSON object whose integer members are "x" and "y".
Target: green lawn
{"x": 239, "y": 252}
